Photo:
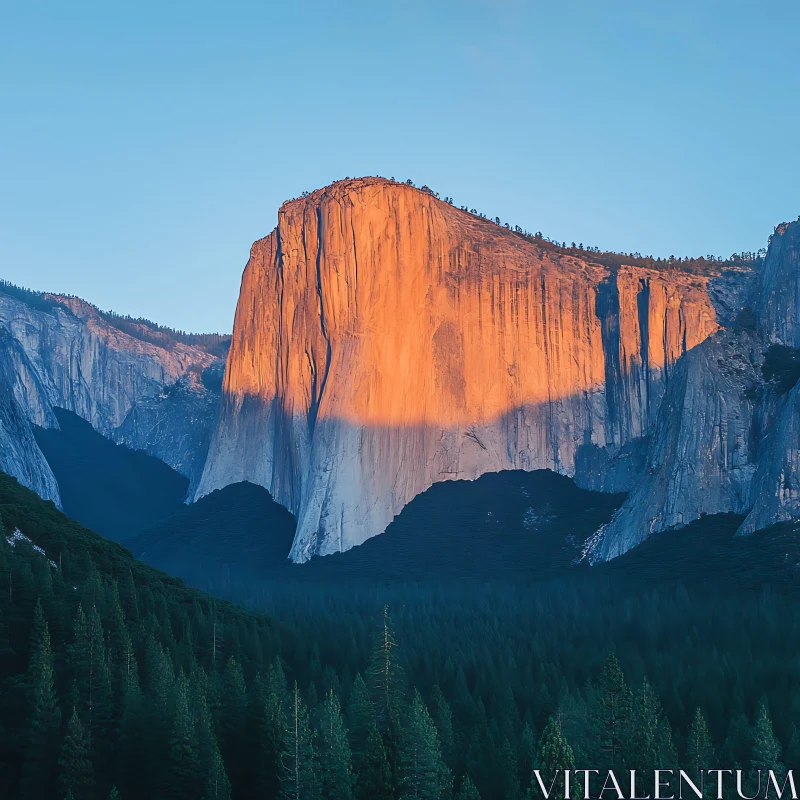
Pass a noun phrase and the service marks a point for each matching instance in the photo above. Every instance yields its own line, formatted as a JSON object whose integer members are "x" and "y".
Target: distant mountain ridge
{"x": 140, "y": 328}
{"x": 61, "y": 352}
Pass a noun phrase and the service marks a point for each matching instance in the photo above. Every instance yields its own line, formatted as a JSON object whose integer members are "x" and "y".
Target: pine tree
{"x": 217, "y": 784}
{"x": 553, "y": 757}
{"x": 100, "y": 697}
{"x": 611, "y": 714}
{"x": 362, "y": 719}
{"x": 91, "y": 676}
{"x": 76, "y": 773}
{"x": 423, "y": 774}
{"x": 793, "y": 748}
{"x": 443, "y": 719}
{"x": 301, "y": 774}
{"x": 231, "y": 710}
{"x": 374, "y": 776}
{"x": 527, "y": 755}
{"x": 334, "y": 752}
{"x": 766, "y": 752}
{"x": 136, "y": 768}
{"x": 649, "y": 745}
{"x": 736, "y": 750}
{"x": 45, "y": 717}
{"x": 384, "y": 673}
{"x": 268, "y": 723}
{"x": 699, "y": 750}
{"x": 508, "y": 771}
{"x": 184, "y": 766}
{"x": 218, "y": 787}
{"x": 468, "y": 790}
{"x": 113, "y": 794}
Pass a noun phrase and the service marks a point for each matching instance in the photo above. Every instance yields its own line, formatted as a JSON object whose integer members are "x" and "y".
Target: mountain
{"x": 385, "y": 340}
{"x": 131, "y": 380}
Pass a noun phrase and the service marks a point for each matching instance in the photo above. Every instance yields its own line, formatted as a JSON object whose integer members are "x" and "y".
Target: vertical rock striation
{"x": 385, "y": 340}
{"x": 727, "y": 439}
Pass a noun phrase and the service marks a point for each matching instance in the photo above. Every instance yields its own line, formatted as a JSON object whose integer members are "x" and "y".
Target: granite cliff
{"x": 727, "y": 435}
{"x": 385, "y": 340}
{"x": 62, "y": 352}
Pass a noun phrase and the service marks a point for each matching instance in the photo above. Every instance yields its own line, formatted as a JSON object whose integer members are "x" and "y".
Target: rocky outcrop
{"x": 176, "y": 425}
{"x": 385, "y": 340}
{"x": 777, "y": 302}
{"x": 727, "y": 438}
{"x": 701, "y": 455}
{"x": 60, "y": 352}
{"x": 20, "y": 455}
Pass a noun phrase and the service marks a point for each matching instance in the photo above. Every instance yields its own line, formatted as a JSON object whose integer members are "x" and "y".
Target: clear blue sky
{"x": 144, "y": 146}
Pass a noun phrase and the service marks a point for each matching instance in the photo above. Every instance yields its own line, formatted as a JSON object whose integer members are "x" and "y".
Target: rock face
{"x": 385, "y": 340}
{"x": 176, "y": 425}
{"x": 726, "y": 439}
{"x": 60, "y": 352}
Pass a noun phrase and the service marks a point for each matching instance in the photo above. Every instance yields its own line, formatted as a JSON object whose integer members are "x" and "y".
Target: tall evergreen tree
{"x": 766, "y": 753}
{"x": 184, "y": 760}
{"x": 552, "y": 758}
{"x": 43, "y": 712}
{"x": 361, "y": 717}
{"x": 527, "y": 755}
{"x": 507, "y": 771}
{"x": 611, "y": 714}
{"x": 443, "y": 719}
{"x": 423, "y": 774}
{"x": 374, "y": 775}
{"x": 218, "y": 787}
{"x": 300, "y": 770}
{"x": 76, "y": 772}
{"x": 268, "y": 711}
{"x": 230, "y": 706}
{"x": 792, "y": 755}
{"x": 212, "y": 767}
{"x": 737, "y": 748}
{"x": 649, "y": 746}
{"x": 384, "y": 673}
{"x": 699, "y": 751}
{"x": 134, "y": 760}
{"x": 91, "y": 677}
{"x": 467, "y": 790}
{"x": 334, "y": 752}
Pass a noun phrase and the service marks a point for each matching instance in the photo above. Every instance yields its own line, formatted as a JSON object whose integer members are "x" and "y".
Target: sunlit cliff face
{"x": 385, "y": 340}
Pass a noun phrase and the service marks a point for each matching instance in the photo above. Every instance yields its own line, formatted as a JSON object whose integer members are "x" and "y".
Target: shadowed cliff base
{"x": 347, "y": 481}
{"x": 511, "y": 525}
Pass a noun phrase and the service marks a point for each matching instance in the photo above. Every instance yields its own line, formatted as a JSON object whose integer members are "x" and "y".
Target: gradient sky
{"x": 144, "y": 146}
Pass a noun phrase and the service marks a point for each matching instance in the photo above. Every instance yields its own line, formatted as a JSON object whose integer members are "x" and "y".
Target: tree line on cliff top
{"x": 140, "y": 328}
{"x": 696, "y": 265}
